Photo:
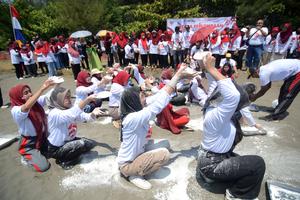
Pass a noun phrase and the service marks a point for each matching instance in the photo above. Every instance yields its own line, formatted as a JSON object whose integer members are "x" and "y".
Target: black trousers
{"x": 144, "y": 58}
{"x": 127, "y": 61}
{"x": 136, "y": 58}
{"x": 43, "y": 65}
{"x": 244, "y": 173}
{"x": 75, "y": 69}
{"x": 163, "y": 61}
{"x": 218, "y": 58}
{"x": 153, "y": 59}
{"x": 32, "y": 69}
{"x": 70, "y": 150}
{"x": 110, "y": 59}
{"x": 121, "y": 54}
{"x": 288, "y": 93}
{"x": 240, "y": 59}
{"x": 19, "y": 70}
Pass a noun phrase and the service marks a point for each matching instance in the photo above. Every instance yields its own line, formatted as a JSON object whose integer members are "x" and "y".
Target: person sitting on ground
{"x": 63, "y": 143}
{"x": 30, "y": 117}
{"x": 221, "y": 132}
{"x": 85, "y": 87}
{"x": 287, "y": 70}
{"x": 232, "y": 63}
{"x": 197, "y": 93}
{"x": 134, "y": 160}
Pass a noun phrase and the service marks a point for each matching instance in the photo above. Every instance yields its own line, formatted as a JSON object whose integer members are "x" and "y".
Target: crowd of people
{"x": 136, "y": 98}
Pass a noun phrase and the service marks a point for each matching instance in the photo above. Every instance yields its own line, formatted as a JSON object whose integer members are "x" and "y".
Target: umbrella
{"x": 202, "y": 33}
{"x": 80, "y": 34}
{"x": 102, "y": 33}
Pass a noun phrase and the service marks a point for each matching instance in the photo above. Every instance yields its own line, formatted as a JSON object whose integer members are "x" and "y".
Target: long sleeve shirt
{"x": 218, "y": 130}
{"x": 135, "y": 127}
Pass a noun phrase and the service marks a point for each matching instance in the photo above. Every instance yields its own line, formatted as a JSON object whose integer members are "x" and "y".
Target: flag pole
{"x": 9, "y": 5}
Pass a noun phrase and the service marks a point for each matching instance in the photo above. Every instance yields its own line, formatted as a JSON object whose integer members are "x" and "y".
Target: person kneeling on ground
{"x": 221, "y": 132}
{"x": 63, "y": 145}
{"x": 133, "y": 158}
{"x": 29, "y": 115}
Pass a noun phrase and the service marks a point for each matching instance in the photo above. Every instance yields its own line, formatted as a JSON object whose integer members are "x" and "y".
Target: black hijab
{"x": 130, "y": 102}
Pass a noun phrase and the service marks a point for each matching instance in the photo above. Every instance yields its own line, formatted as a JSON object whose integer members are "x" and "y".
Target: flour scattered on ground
{"x": 103, "y": 121}
{"x": 174, "y": 186}
{"x": 196, "y": 124}
{"x": 92, "y": 173}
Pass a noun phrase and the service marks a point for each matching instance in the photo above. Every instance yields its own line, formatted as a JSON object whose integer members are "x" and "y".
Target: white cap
{"x": 201, "y": 55}
{"x": 244, "y": 30}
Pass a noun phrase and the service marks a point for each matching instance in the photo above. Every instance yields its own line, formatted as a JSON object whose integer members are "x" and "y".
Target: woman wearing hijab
{"x": 143, "y": 49}
{"x": 221, "y": 132}
{"x": 234, "y": 43}
{"x": 15, "y": 58}
{"x": 85, "y": 87}
{"x": 215, "y": 42}
{"x": 283, "y": 41}
{"x": 223, "y": 47}
{"x": 153, "y": 49}
{"x": 74, "y": 58}
{"x": 41, "y": 59}
{"x": 30, "y": 117}
{"x": 63, "y": 143}
{"x": 163, "y": 51}
{"x": 269, "y": 46}
{"x": 50, "y": 59}
{"x": 134, "y": 158}
{"x": 28, "y": 59}
{"x": 121, "y": 42}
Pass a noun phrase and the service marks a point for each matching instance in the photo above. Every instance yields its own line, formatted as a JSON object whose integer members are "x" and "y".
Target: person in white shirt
{"x": 223, "y": 47}
{"x": 221, "y": 132}
{"x": 96, "y": 77}
{"x": 28, "y": 113}
{"x": 287, "y": 70}
{"x": 85, "y": 87}
{"x": 196, "y": 48}
{"x": 197, "y": 93}
{"x": 129, "y": 52}
{"x": 214, "y": 43}
{"x": 63, "y": 143}
{"x": 15, "y": 58}
{"x": 269, "y": 46}
{"x": 163, "y": 51}
{"x": 187, "y": 35}
{"x": 231, "y": 62}
{"x": 177, "y": 40}
{"x": 135, "y": 159}
{"x": 27, "y": 57}
{"x": 243, "y": 48}
{"x": 283, "y": 41}
{"x": 295, "y": 48}
{"x": 50, "y": 60}
{"x": 235, "y": 43}
{"x": 74, "y": 58}
{"x": 153, "y": 49}
{"x": 143, "y": 49}
{"x": 41, "y": 59}
{"x": 256, "y": 41}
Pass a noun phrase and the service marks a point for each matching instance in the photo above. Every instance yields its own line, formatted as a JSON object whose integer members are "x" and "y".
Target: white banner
{"x": 195, "y": 23}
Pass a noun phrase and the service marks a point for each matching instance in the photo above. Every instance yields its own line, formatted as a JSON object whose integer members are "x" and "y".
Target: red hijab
{"x": 144, "y": 42}
{"x": 224, "y": 37}
{"x": 71, "y": 50}
{"x": 285, "y": 35}
{"x": 81, "y": 79}
{"x": 214, "y": 39}
{"x": 122, "y": 42}
{"x": 115, "y": 38}
{"x": 36, "y": 114}
{"x": 166, "y": 74}
{"x": 121, "y": 78}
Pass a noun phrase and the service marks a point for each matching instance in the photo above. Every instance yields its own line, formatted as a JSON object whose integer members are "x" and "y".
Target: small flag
{"x": 16, "y": 25}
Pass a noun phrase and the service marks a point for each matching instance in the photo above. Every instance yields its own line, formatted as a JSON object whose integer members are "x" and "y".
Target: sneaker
{"x": 229, "y": 196}
{"x": 24, "y": 162}
{"x": 140, "y": 182}
{"x": 21, "y": 78}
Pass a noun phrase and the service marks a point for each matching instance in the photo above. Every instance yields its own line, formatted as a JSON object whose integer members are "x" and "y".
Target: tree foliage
{"x": 51, "y": 17}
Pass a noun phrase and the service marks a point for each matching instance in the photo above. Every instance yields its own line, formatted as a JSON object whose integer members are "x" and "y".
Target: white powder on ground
{"x": 174, "y": 186}
{"x": 92, "y": 173}
{"x": 196, "y": 124}
{"x": 103, "y": 120}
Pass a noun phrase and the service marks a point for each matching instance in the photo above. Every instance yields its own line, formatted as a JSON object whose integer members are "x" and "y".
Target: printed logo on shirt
{"x": 72, "y": 130}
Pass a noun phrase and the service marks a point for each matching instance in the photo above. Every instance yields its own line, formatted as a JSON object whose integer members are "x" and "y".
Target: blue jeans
{"x": 51, "y": 68}
{"x": 253, "y": 57}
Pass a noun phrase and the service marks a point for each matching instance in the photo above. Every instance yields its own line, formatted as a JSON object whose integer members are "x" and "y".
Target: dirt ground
{"x": 97, "y": 177}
